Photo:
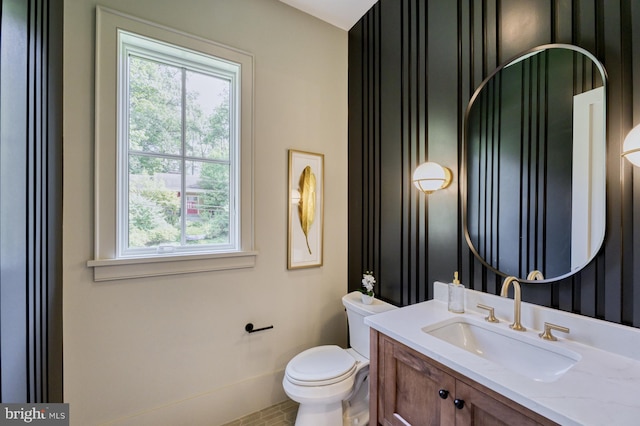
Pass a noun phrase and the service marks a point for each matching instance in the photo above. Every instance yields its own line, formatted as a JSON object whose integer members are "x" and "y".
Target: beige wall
{"x": 173, "y": 349}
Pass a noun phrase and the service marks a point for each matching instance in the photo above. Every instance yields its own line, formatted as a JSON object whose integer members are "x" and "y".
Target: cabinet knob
{"x": 459, "y": 403}
{"x": 443, "y": 393}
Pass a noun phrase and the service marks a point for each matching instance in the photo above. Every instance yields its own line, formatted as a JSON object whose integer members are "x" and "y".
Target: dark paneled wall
{"x": 413, "y": 66}
{"x": 31, "y": 201}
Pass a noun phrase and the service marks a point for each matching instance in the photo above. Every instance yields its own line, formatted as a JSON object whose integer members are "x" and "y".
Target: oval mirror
{"x": 533, "y": 184}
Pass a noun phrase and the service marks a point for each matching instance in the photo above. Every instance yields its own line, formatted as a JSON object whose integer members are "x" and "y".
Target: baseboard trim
{"x": 216, "y": 407}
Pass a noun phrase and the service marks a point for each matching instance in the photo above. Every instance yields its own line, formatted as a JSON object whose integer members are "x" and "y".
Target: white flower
{"x": 368, "y": 281}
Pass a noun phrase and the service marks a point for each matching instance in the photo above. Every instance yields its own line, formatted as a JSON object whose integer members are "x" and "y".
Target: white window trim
{"x": 106, "y": 265}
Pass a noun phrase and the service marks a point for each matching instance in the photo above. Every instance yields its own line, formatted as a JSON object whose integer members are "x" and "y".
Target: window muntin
{"x": 178, "y": 149}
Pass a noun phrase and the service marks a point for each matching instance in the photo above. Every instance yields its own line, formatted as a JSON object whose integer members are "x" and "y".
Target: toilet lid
{"x": 321, "y": 365}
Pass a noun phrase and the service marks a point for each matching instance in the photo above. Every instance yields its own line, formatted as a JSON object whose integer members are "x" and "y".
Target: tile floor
{"x": 282, "y": 414}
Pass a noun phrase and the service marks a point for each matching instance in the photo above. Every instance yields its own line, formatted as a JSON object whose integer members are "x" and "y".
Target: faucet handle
{"x": 491, "y": 317}
{"x": 546, "y": 334}
{"x": 535, "y": 275}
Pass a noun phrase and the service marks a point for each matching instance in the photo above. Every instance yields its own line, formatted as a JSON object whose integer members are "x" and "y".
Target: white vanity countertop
{"x": 602, "y": 388}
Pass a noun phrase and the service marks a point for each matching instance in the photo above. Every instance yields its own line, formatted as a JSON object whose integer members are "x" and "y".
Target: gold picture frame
{"x": 306, "y": 209}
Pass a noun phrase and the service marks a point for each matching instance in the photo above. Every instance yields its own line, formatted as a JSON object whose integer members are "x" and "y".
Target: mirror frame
{"x": 463, "y": 166}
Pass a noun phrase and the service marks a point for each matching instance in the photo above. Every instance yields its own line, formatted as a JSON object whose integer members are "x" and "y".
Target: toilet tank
{"x": 356, "y": 311}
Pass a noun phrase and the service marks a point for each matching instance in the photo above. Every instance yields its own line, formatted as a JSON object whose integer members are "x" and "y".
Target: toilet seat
{"x": 321, "y": 366}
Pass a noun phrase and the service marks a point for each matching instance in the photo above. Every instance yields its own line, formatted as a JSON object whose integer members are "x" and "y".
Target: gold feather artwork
{"x": 307, "y": 204}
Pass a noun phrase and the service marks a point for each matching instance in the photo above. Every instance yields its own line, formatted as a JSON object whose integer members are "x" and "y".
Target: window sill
{"x": 122, "y": 269}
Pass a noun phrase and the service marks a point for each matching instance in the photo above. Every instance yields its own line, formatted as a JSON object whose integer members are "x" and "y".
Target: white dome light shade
{"x": 631, "y": 146}
{"x": 429, "y": 177}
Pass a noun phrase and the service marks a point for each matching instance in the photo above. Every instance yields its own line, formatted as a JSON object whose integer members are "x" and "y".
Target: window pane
{"x": 155, "y": 99}
{"x": 207, "y": 199}
{"x": 154, "y": 202}
{"x": 207, "y": 109}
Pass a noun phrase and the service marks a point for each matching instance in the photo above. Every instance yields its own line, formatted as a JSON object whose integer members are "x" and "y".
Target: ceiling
{"x": 341, "y": 13}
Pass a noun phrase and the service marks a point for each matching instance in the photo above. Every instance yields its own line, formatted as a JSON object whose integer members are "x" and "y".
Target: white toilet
{"x": 331, "y": 384}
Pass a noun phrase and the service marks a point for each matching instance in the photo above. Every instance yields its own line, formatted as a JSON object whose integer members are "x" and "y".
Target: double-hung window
{"x": 173, "y": 151}
{"x": 178, "y": 143}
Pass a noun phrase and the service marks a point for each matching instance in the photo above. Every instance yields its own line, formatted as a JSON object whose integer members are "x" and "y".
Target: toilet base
{"x": 319, "y": 415}
{"x": 356, "y": 409}
{"x": 351, "y": 412}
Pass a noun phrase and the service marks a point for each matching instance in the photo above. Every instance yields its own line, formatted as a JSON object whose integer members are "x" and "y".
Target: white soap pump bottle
{"x": 456, "y": 295}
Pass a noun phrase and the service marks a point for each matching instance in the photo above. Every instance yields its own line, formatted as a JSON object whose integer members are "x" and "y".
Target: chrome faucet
{"x": 516, "y": 301}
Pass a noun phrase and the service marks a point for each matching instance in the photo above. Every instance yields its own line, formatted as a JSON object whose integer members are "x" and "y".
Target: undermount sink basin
{"x": 504, "y": 347}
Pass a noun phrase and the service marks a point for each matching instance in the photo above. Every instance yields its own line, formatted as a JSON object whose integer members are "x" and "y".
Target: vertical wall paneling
{"x": 627, "y": 293}
{"x": 408, "y": 216}
{"x": 30, "y": 201}
{"x": 53, "y": 248}
{"x": 441, "y": 141}
{"x": 612, "y": 59}
{"x": 422, "y": 132}
{"x": 630, "y": 29}
{"x": 391, "y": 273}
{"x": 374, "y": 151}
{"x": 633, "y": 27}
{"x": 432, "y": 56}
{"x": 585, "y": 288}
{"x": 355, "y": 165}
{"x": 414, "y": 95}
{"x": 562, "y": 12}
{"x": 13, "y": 211}
{"x": 462, "y": 91}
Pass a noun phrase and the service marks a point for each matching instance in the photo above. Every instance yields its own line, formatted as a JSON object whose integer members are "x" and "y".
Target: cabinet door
{"x": 481, "y": 409}
{"x": 410, "y": 387}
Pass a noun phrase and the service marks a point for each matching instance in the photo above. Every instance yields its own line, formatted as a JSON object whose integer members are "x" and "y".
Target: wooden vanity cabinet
{"x": 408, "y": 388}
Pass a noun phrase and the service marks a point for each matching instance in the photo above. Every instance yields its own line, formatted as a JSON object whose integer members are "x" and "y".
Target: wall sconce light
{"x": 429, "y": 177}
{"x": 631, "y": 146}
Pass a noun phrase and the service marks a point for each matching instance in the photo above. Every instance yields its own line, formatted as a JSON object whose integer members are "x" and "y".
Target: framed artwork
{"x": 306, "y": 209}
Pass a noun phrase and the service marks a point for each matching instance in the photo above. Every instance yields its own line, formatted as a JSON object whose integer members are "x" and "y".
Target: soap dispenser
{"x": 456, "y": 295}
